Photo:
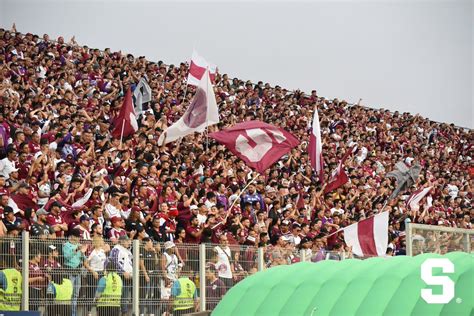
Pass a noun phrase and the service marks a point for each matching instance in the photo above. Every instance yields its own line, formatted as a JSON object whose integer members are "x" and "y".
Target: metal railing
{"x": 70, "y": 276}
{"x": 437, "y": 239}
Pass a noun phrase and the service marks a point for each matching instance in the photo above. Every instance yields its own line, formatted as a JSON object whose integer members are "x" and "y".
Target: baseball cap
{"x": 193, "y": 207}
{"x": 169, "y": 245}
{"x": 7, "y": 210}
{"x": 52, "y": 248}
{"x": 116, "y": 219}
{"x": 84, "y": 218}
{"x": 41, "y": 211}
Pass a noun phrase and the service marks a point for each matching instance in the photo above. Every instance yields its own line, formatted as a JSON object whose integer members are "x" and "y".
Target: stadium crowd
{"x": 58, "y": 100}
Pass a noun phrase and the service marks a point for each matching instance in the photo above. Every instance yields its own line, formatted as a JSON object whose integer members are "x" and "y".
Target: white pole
{"x": 202, "y": 277}
{"x": 207, "y": 109}
{"x": 136, "y": 278}
{"x": 408, "y": 239}
{"x": 260, "y": 259}
{"x": 121, "y": 134}
{"x": 25, "y": 243}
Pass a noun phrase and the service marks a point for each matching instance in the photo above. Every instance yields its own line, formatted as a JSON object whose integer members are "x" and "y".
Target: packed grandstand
{"x": 58, "y": 102}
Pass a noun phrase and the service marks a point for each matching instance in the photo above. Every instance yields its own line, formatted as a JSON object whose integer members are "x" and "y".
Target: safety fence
{"x": 129, "y": 277}
{"x": 437, "y": 239}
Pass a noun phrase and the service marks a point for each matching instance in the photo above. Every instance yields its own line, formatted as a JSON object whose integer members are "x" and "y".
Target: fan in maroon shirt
{"x": 193, "y": 231}
{"x": 55, "y": 220}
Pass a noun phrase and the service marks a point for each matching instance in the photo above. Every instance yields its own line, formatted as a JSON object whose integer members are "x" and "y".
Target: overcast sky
{"x": 406, "y": 55}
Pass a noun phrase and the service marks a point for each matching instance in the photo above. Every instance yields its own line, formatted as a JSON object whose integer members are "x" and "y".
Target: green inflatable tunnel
{"x": 377, "y": 286}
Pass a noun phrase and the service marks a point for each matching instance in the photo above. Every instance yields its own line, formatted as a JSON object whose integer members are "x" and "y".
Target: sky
{"x": 407, "y": 55}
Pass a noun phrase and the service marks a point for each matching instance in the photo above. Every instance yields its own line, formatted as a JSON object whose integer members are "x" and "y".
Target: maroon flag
{"x": 339, "y": 176}
{"x": 258, "y": 144}
{"x": 125, "y": 124}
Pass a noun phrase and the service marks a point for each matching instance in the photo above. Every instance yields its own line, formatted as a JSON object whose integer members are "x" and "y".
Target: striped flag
{"x": 414, "y": 199}
{"x": 315, "y": 148}
{"x": 368, "y": 237}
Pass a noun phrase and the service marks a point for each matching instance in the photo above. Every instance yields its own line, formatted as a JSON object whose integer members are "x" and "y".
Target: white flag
{"x": 315, "y": 148}
{"x": 415, "y": 198}
{"x": 201, "y": 113}
{"x": 80, "y": 202}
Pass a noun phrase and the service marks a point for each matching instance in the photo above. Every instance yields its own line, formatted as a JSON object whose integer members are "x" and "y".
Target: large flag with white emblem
{"x": 258, "y": 144}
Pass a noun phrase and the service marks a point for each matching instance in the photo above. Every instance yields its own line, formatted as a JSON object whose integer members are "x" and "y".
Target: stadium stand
{"x": 58, "y": 100}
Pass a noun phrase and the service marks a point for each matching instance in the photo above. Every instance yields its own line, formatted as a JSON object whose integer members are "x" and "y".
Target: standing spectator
{"x": 12, "y": 223}
{"x": 169, "y": 265}
{"x": 84, "y": 227}
{"x": 74, "y": 256}
{"x": 7, "y": 165}
{"x": 121, "y": 260}
{"x": 117, "y": 229}
{"x": 61, "y": 295}
{"x": 149, "y": 279}
{"x": 251, "y": 197}
{"x": 215, "y": 288}
{"x": 109, "y": 293}
{"x": 55, "y": 219}
{"x": 224, "y": 264}
{"x": 51, "y": 263}
{"x": 95, "y": 263}
{"x": 40, "y": 228}
{"x": 193, "y": 231}
{"x": 184, "y": 294}
{"x": 37, "y": 280}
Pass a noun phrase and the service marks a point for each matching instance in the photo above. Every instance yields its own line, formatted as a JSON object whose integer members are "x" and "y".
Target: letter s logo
{"x": 447, "y": 293}
{"x": 262, "y": 140}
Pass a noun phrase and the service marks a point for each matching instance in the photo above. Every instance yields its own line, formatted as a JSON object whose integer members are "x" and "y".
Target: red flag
{"x": 315, "y": 147}
{"x": 368, "y": 237}
{"x": 197, "y": 67}
{"x": 339, "y": 176}
{"x": 125, "y": 124}
{"x": 258, "y": 144}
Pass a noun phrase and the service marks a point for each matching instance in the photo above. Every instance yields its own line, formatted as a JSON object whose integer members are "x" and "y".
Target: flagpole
{"x": 207, "y": 114}
{"x": 121, "y": 134}
{"x": 243, "y": 190}
{"x": 186, "y": 88}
